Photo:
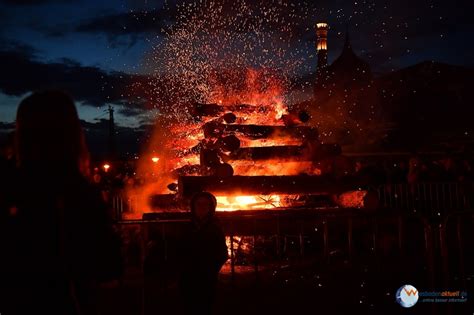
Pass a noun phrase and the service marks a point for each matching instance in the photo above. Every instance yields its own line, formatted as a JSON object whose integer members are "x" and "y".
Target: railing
{"x": 437, "y": 253}
{"x": 433, "y": 198}
{"x": 301, "y": 230}
{"x": 121, "y": 203}
{"x": 425, "y": 227}
{"x": 456, "y": 238}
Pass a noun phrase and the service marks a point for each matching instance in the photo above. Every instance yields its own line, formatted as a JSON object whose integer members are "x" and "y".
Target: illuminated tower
{"x": 322, "y": 44}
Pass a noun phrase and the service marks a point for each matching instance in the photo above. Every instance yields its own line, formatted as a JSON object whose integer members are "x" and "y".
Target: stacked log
{"x": 216, "y": 129}
{"x": 266, "y": 185}
{"x": 222, "y": 146}
{"x": 299, "y": 153}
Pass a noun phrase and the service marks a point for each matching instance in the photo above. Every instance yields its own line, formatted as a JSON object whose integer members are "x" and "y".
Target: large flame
{"x": 226, "y": 55}
{"x": 173, "y": 139}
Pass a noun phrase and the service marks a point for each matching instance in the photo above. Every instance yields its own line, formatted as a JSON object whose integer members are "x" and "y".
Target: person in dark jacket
{"x": 56, "y": 240}
{"x": 204, "y": 252}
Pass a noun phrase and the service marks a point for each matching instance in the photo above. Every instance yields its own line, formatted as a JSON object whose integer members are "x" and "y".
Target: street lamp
{"x": 106, "y": 167}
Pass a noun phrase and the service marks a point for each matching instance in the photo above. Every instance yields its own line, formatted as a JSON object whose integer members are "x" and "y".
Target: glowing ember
{"x": 352, "y": 199}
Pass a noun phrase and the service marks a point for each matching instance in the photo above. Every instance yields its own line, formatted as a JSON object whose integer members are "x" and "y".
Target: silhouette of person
{"x": 204, "y": 252}
{"x": 7, "y": 171}
{"x": 58, "y": 244}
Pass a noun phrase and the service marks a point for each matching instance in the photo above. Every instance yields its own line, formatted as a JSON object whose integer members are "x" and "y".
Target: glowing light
{"x": 322, "y": 45}
{"x": 106, "y": 167}
{"x": 322, "y": 34}
{"x": 155, "y": 159}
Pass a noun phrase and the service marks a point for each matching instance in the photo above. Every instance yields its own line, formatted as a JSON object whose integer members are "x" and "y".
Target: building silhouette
{"x": 345, "y": 95}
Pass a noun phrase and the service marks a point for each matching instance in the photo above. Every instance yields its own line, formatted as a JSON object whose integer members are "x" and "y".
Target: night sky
{"x": 92, "y": 47}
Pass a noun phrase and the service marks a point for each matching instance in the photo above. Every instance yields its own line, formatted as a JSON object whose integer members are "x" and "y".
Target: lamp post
{"x": 106, "y": 167}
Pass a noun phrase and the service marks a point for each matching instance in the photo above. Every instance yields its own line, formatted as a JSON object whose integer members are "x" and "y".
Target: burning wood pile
{"x": 260, "y": 157}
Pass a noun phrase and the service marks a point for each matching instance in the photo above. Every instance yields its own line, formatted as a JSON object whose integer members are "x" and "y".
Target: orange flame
{"x": 172, "y": 141}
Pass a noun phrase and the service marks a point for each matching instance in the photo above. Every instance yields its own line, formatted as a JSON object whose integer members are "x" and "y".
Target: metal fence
{"x": 439, "y": 248}
{"x": 433, "y": 198}
{"x": 359, "y": 235}
{"x": 434, "y": 206}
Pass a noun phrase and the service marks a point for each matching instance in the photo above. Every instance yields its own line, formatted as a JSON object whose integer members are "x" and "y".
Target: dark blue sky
{"x": 93, "y": 46}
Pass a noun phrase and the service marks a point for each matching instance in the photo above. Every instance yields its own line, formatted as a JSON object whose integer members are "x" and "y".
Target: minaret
{"x": 322, "y": 49}
{"x": 322, "y": 45}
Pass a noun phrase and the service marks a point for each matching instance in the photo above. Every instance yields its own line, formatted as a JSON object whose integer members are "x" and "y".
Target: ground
{"x": 289, "y": 287}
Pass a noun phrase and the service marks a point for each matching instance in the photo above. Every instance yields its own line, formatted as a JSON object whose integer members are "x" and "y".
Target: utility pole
{"x": 112, "y": 150}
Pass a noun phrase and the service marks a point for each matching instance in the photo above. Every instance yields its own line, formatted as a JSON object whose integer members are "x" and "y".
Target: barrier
{"x": 433, "y": 198}
{"x": 426, "y": 227}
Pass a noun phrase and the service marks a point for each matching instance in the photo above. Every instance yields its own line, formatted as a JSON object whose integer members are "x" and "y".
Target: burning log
{"x": 229, "y": 118}
{"x": 266, "y": 185}
{"x": 214, "y": 110}
{"x": 304, "y": 116}
{"x": 209, "y": 157}
{"x": 223, "y": 170}
{"x": 213, "y": 129}
{"x": 219, "y": 170}
{"x": 267, "y": 153}
{"x": 294, "y": 120}
{"x": 301, "y": 153}
{"x": 229, "y": 143}
{"x": 290, "y": 120}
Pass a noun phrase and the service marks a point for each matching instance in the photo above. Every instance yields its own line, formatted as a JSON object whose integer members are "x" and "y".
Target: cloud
{"x": 6, "y": 126}
{"x": 19, "y": 48}
{"x": 131, "y": 111}
{"x": 29, "y": 2}
{"x": 90, "y": 85}
{"x": 133, "y": 95}
{"x": 128, "y": 23}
